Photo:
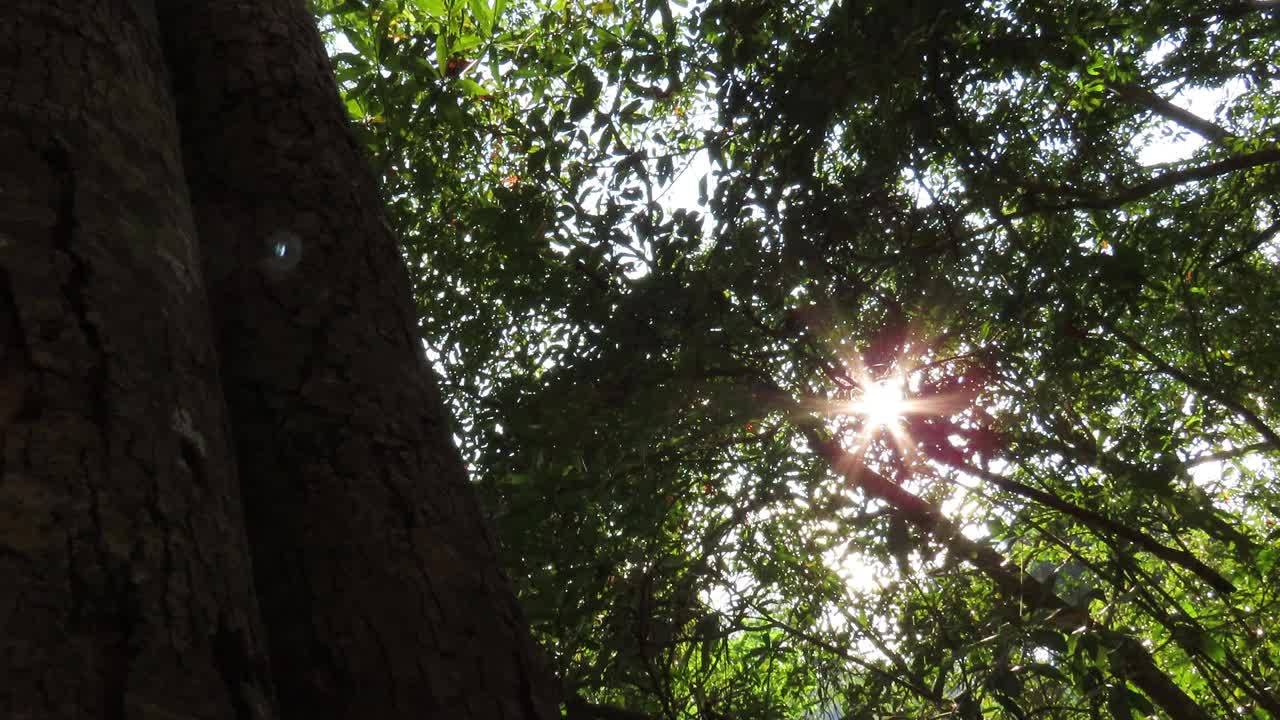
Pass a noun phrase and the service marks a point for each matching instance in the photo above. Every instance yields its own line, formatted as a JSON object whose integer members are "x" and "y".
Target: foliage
{"x": 654, "y": 393}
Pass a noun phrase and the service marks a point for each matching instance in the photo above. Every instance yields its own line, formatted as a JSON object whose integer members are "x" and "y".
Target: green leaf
{"x": 467, "y": 42}
{"x": 1213, "y": 649}
{"x": 483, "y": 15}
{"x": 666, "y": 167}
{"x": 471, "y": 87}
{"x": 578, "y": 108}
{"x": 433, "y": 8}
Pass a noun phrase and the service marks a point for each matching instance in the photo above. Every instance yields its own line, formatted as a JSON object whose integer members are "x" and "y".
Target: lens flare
{"x": 882, "y": 403}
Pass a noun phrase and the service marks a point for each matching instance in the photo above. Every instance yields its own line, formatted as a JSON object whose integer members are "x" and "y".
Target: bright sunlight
{"x": 882, "y": 403}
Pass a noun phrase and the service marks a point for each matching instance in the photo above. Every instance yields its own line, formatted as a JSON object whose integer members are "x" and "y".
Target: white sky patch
{"x": 338, "y": 43}
{"x": 682, "y": 193}
{"x": 1167, "y": 142}
{"x": 962, "y": 506}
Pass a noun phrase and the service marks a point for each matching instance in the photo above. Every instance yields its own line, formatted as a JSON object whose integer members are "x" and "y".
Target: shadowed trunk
{"x": 125, "y": 587}
{"x": 378, "y": 582}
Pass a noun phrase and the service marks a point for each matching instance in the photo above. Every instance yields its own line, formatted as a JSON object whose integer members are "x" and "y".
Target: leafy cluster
{"x": 661, "y": 251}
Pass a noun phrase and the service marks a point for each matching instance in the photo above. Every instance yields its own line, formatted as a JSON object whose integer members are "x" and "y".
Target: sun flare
{"x": 882, "y": 403}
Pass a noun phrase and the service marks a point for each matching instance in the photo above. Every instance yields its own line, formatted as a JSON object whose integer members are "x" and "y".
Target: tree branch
{"x": 1160, "y": 182}
{"x": 1196, "y": 384}
{"x": 1257, "y": 242}
{"x": 1129, "y": 658}
{"x": 1228, "y": 454}
{"x": 1151, "y": 101}
{"x": 1102, "y": 523}
{"x": 844, "y": 654}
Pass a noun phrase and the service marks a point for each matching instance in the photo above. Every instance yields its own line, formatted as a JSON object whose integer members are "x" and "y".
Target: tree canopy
{"x": 676, "y": 262}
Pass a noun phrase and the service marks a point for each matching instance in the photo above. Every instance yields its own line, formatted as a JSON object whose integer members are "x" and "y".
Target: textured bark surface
{"x": 125, "y": 588}
{"x": 378, "y": 582}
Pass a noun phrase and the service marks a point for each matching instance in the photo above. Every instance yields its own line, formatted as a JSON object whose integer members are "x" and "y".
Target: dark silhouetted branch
{"x": 1163, "y": 181}
{"x": 1104, "y": 524}
{"x": 1149, "y": 100}
{"x": 1129, "y": 659}
{"x": 1258, "y": 240}
{"x": 1231, "y": 454}
{"x": 1201, "y": 386}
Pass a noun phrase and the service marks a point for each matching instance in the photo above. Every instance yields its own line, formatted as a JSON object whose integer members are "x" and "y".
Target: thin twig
{"x": 1201, "y": 386}
{"x": 1102, "y": 523}
{"x": 1257, "y": 242}
{"x": 1128, "y": 656}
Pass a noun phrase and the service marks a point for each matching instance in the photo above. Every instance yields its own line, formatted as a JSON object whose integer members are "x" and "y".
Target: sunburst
{"x": 883, "y": 403}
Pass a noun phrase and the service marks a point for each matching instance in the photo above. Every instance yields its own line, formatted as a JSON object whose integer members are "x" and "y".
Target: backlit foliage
{"x": 660, "y": 250}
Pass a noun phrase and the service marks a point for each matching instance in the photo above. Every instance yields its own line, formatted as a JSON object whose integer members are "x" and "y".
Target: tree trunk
{"x": 125, "y": 587}
{"x": 378, "y": 582}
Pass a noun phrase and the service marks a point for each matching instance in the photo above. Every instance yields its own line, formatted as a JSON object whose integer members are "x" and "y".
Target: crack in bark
{"x": 243, "y": 674}
{"x": 66, "y": 226}
{"x": 116, "y": 604}
{"x": 20, "y": 399}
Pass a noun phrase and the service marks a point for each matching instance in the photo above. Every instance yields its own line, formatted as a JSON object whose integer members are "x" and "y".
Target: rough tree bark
{"x": 378, "y": 582}
{"x": 125, "y": 582}
{"x": 125, "y": 587}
